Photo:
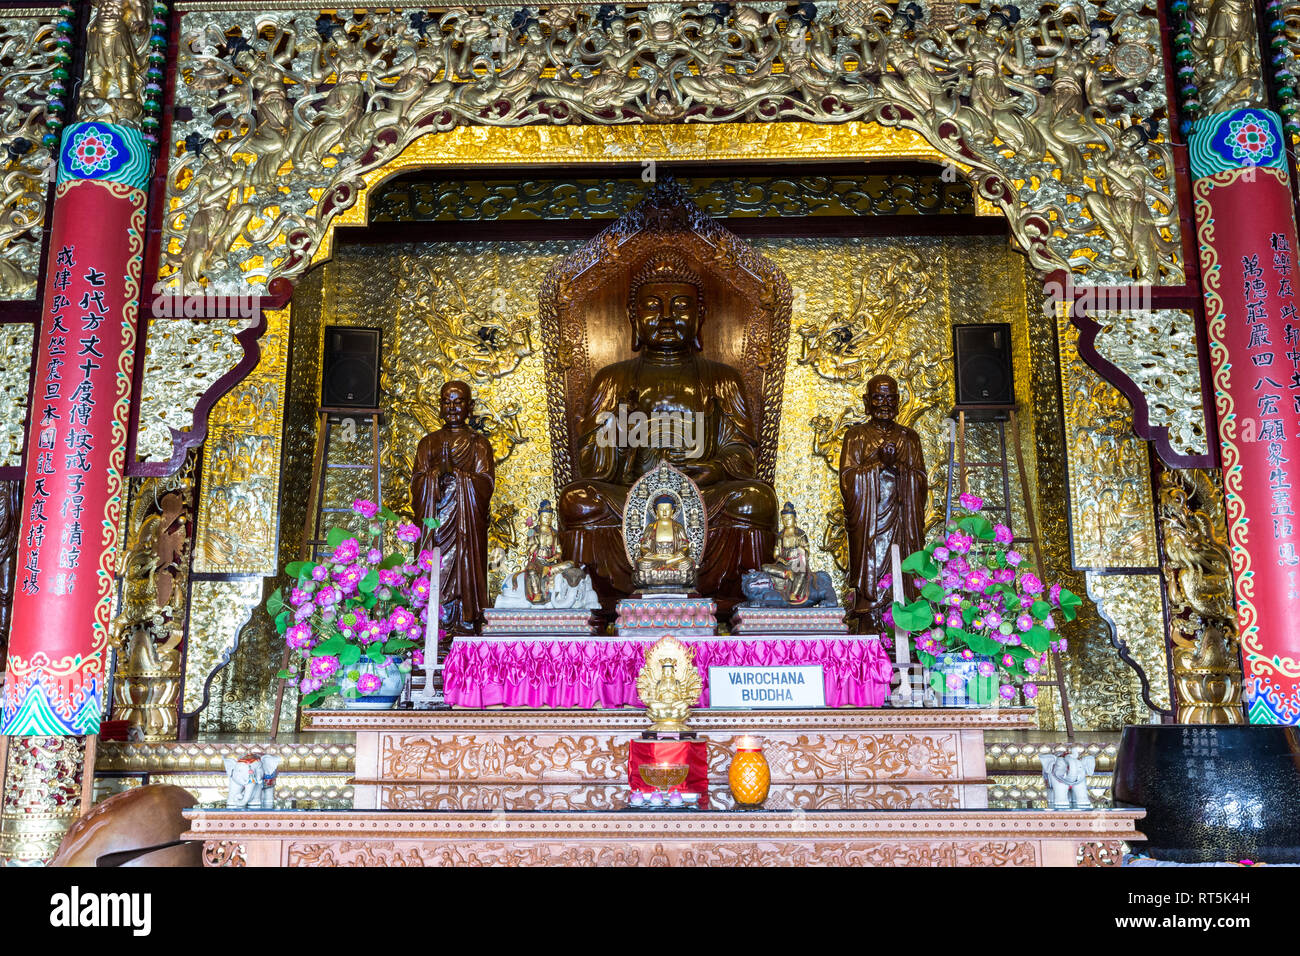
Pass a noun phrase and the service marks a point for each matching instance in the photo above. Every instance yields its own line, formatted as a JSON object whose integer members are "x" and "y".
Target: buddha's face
{"x": 455, "y": 405}
{"x": 667, "y": 314}
{"x": 664, "y": 511}
{"x": 882, "y": 400}
{"x": 545, "y": 519}
{"x": 787, "y": 520}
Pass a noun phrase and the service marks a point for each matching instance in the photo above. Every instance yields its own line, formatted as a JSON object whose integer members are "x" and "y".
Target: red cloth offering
{"x": 693, "y": 753}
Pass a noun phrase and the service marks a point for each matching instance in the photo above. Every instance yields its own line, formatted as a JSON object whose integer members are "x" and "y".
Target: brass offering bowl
{"x": 664, "y": 776}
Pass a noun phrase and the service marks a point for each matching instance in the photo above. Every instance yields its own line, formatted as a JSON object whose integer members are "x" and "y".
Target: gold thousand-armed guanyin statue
{"x": 669, "y": 685}
{"x": 715, "y": 441}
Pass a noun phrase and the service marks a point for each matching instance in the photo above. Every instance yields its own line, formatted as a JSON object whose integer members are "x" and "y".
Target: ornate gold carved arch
{"x": 1058, "y": 113}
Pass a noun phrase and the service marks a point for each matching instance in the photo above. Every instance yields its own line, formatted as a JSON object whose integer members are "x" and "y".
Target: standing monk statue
{"x": 453, "y": 480}
{"x": 883, "y": 481}
{"x": 717, "y": 446}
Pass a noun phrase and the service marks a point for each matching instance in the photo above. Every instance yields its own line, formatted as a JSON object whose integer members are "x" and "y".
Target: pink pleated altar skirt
{"x": 588, "y": 672}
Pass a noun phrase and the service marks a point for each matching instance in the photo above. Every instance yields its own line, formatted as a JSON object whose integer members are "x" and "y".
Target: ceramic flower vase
{"x": 391, "y": 676}
{"x": 749, "y": 775}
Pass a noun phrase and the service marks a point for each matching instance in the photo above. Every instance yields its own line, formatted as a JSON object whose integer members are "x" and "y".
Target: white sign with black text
{"x": 764, "y": 687}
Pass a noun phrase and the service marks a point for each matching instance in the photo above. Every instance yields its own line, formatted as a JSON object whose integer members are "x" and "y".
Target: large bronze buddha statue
{"x": 707, "y": 431}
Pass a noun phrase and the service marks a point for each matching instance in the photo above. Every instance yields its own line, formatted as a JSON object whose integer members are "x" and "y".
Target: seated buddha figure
{"x": 664, "y": 552}
{"x": 669, "y": 380}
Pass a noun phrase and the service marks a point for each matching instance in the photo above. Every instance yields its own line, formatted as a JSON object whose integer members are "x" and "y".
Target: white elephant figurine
{"x": 563, "y": 594}
{"x": 1066, "y": 776}
{"x": 252, "y": 781}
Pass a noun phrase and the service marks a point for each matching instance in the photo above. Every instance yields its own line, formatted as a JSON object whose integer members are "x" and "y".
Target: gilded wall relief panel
{"x": 1132, "y": 603}
{"x": 454, "y": 310}
{"x": 302, "y": 398}
{"x": 1106, "y": 461}
{"x": 218, "y": 610}
{"x": 870, "y": 306}
{"x": 183, "y": 359}
{"x": 238, "y": 529}
{"x": 243, "y": 693}
{"x": 16, "y": 340}
{"x": 1112, "y": 516}
{"x": 27, "y": 64}
{"x": 286, "y": 116}
{"x": 1157, "y": 350}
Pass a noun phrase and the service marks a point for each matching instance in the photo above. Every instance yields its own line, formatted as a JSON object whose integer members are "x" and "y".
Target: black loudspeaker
{"x": 982, "y": 354}
{"x": 351, "y": 367}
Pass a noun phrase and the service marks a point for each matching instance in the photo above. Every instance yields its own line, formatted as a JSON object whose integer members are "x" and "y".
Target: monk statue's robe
{"x": 885, "y": 498}
{"x": 721, "y": 459}
{"x": 453, "y": 480}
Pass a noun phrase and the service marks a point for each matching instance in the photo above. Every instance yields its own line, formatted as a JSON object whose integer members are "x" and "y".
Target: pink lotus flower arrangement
{"x": 979, "y": 597}
{"x": 355, "y": 605}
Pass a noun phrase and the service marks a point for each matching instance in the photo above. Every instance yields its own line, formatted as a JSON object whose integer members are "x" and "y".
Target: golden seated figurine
{"x": 669, "y": 685}
{"x": 664, "y": 551}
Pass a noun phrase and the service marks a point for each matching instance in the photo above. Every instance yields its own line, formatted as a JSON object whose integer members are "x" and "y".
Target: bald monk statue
{"x": 453, "y": 479}
{"x": 884, "y": 485}
{"x": 669, "y": 375}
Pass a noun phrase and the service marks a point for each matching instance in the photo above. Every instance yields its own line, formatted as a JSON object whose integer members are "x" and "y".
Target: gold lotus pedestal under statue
{"x": 669, "y": 686}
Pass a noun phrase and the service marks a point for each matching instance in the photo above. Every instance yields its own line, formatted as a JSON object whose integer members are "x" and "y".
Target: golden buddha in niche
{"x": 700, "y": 422}
{"x": 665, "y": 550}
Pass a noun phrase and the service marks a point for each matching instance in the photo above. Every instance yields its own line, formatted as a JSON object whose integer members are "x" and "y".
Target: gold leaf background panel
{"x": 906, "y": 333}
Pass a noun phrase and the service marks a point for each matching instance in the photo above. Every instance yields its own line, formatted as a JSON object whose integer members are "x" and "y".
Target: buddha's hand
{"x": 703, "y": 473}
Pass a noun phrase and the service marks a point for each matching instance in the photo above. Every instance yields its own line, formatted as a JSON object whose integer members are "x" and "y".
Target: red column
{"x": 1248, "y": 248}
{"x": 76, "y": 438}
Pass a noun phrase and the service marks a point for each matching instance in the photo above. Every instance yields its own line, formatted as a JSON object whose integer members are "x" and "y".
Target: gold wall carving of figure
{"x": 26, "y": 37}
{"x": 671, "y": 381}
{"x": 1226, "y": 43}
{"x": 452, "y": 482}
{"x": 117, "y": 40}
{"x": 885, "y": 490}
{"x": 150, "y": 624}
{"x": 1198, "y": 584}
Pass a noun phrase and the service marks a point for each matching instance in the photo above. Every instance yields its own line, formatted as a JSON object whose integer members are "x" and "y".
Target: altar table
{"x": 586, "y": 672}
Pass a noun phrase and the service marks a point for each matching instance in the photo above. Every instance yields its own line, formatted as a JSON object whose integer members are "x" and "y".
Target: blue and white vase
{"x": 392, "y": 672}
{"x": 959, "y": 683}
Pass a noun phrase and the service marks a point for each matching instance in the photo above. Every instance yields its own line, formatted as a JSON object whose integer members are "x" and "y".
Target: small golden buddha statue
{"x": 669, "y": 686}
{"x": 788, "y": 571}
{"x": 664, "y": 554}
{"x": 543, "y": 559}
